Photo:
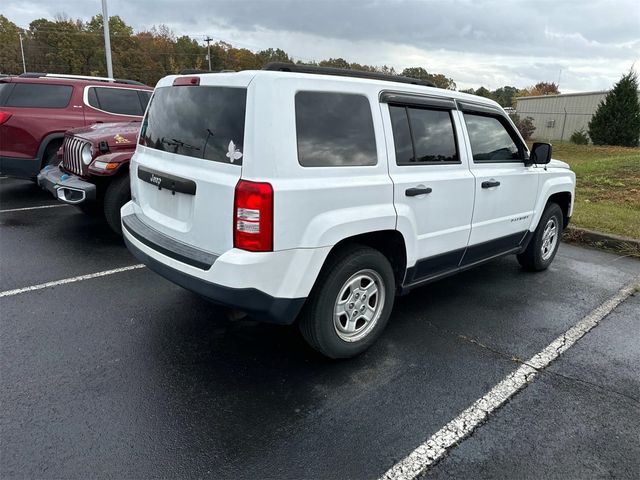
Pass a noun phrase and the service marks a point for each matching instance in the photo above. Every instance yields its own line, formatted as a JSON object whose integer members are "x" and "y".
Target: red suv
{"x": 37, "y": 109}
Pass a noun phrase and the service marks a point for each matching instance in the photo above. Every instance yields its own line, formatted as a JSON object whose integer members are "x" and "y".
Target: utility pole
{"x": 107, "y": 39}
{"x": 208, "y": 39}
{"x": 559, "y": 75}
{"x": 24, "y": 64}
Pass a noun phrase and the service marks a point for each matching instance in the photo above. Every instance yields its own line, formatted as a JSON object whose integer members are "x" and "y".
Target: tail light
{"x": 4, "y": 116}
{"x": 253, "y": 216}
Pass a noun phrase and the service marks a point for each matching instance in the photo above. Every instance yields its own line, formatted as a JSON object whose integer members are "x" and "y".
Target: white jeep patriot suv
{"x": 318, "y": 195}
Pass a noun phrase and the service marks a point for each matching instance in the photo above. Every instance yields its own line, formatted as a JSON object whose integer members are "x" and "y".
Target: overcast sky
{"x": 588, "y": 44}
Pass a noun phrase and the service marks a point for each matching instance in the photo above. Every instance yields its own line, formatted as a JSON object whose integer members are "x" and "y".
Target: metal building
{"x": 556, "y": 117}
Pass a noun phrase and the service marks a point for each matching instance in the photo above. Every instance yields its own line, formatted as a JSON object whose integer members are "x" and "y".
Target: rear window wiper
{"x": 174, "y": 142}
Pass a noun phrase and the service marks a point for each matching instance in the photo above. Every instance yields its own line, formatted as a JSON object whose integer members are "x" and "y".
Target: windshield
{"x": 201, "y": 122}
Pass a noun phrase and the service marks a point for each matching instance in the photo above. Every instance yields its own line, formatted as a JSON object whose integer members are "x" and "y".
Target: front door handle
{"x": 490, "y": 184}
{"x": 412, "y": 192}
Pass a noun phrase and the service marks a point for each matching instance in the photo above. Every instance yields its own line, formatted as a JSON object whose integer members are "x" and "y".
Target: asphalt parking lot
{"x": 129, "y": 376}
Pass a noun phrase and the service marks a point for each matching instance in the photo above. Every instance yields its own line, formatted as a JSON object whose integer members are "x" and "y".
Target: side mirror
{"x": 540, "y": 153}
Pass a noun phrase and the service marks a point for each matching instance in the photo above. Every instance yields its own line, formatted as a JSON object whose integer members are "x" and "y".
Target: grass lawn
{"x": 607, "y": 187}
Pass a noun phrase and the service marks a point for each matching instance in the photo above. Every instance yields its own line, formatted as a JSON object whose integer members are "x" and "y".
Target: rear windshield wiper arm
{"x": 183, "y": 144}
{"x": 178, "y": 143}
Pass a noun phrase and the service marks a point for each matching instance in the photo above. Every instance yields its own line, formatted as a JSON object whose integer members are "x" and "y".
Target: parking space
{"x": 130, "y": 376}
{"x": 580, "y": 420}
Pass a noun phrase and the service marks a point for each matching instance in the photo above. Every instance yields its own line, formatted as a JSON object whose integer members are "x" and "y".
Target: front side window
{"x": 119, "y": 101}
{"x": 38, "y": 95}
{"x": 200, "y": 122}
{"x": 423, "y": 136}
{"x": 490, "y": 140}
{"x": 334, "y": 130}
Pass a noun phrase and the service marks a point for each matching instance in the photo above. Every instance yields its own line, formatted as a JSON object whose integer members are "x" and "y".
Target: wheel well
{"x": 103, "y": 183}
{"x": 563, "y": 200}
{"x": 388, "y": 242}
{"x": 53, "y": 145}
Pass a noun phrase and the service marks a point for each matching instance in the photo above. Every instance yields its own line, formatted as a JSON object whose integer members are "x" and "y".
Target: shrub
{"x": 524, "y": 125}
{"x": 579, "y": 137}
{"x": 617, "y": 119}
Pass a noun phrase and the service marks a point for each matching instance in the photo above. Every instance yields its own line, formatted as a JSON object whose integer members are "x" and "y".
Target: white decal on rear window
{"x": 233, "y": 154}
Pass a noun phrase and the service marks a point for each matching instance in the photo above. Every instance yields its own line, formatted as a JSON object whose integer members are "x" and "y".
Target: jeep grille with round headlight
{"x": 72, "y": 154}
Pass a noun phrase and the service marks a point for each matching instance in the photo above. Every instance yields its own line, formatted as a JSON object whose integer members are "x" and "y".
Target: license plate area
{"x": 167, "y": 200}
{"x": 166, "y": 181}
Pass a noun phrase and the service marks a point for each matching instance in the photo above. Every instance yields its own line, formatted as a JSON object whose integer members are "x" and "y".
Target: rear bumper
{"x": 258, "y": 304}
{"x": 65, "y": 187}
{"x": 270, "y": 286}
{"x": 19, "y": 167}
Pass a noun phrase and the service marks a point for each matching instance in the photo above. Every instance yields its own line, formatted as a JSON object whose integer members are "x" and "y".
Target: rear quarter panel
{"x": 22, "y": 135}
{"x": 313, "y": 206}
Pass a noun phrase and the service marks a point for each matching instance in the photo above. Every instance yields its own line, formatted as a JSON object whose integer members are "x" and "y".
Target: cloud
{"x": 486, "y": 42}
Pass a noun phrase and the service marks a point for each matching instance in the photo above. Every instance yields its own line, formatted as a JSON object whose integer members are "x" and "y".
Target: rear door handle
{"x": 490, "y": 184}
{"x": 412, "y": 192}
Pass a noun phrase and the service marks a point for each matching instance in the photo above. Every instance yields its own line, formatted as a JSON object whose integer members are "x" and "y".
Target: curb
{"x": 606, "y": 241}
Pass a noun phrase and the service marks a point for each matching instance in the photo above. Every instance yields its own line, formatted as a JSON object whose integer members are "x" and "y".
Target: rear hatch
{"x": 189, "y": 159}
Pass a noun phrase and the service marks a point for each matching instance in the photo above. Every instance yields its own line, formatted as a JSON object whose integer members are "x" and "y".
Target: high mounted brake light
{"x": 4, "y": 116}
{"x": 253, "y": 216}
{"x": 186, "y": 81}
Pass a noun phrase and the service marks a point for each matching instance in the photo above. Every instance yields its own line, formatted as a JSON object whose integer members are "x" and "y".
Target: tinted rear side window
{"x": 402, "y": 136}
{"x": 334, "y": 129}
{"x": 201, "y": 122}
{"x": 423, "y": 136}
{"x": 116, "y": 100}
{"x": 39, "y": 95}
{"x": 4, "y": 90}
{"x": 144, "y": 98}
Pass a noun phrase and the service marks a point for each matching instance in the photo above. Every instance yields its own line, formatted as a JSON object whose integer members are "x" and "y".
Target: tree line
{"x": 64, "y": 45}
{"x": 76, "y": 47}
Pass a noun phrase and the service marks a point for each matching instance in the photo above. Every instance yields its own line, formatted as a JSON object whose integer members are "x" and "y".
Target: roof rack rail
{"x": 343, "y": 72}
{"x": 79, "y": 77}
{"x": 195, "y": 71}
{"x": 129, "y": 82}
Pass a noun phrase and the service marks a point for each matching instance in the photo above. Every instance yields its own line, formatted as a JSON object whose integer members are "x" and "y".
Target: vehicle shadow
{"x": 243, "y": 386}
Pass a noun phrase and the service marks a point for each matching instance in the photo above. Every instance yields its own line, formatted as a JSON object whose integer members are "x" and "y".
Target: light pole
{"x": 24, "y": 64}
{"x": 208, "y": 39}
{"x": 107, "y": 39}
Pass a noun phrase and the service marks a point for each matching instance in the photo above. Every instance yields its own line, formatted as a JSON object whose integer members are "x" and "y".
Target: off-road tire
{"x": 532, "y": 258}
{"x": 316, "y": 321}
{"x": 118, "y": 193}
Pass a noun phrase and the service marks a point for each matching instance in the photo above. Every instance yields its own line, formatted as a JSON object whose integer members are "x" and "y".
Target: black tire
{"x": 317, "y": 323}
{"x": 536, "y": 257}
{"x": 118, "y": 193}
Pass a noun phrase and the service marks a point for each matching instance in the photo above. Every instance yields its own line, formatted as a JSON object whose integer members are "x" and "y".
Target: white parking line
{"x": 464, "y": 424}
{"x": 34, "y": 208}
{"x": 18, "y": 291}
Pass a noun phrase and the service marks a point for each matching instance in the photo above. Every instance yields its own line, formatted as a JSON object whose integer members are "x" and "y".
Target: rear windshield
{"x": 39, "y": 95}
{"x": 201, "y": 122}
